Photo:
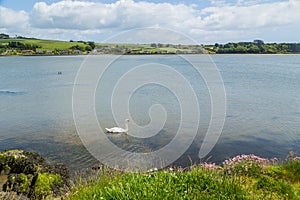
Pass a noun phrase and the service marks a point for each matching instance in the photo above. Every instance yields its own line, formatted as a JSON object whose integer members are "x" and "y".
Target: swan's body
{"x": 118, "y": 129}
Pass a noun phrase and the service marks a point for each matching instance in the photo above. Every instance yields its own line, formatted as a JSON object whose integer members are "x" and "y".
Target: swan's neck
{"x": 126, "y": 126}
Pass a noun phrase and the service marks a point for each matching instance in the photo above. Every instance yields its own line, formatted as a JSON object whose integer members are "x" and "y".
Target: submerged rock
{"x": 31, "y": 175}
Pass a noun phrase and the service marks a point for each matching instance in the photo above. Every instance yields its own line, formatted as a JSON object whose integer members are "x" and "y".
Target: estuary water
{"x": 262, "y": 98}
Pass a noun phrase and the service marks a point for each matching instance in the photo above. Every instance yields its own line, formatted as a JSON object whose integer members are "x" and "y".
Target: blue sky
{"x": 205, "y": 21}
{"x": 28, "y": 4}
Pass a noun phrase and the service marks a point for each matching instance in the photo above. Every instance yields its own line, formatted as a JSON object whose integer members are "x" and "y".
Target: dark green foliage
{"x": 21, "y": 46}
{"x": 19, "y": 183}
{"x": 257, "y": 47}
{"x": 77, "y": 47}
{"x": 92, "y": 44}
{"x": 15, "y": 161}
{"x": 88, "y": 48}
{"x": 4, "y": 36}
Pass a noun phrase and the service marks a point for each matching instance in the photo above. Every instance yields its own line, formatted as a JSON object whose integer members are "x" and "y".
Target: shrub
{"x": 275, "y": 186}
{"x": 44, "y": 184}
{"x": 292, "y": 167}
{"x": 249, "y": 165}
{"x": 19, "y": 183}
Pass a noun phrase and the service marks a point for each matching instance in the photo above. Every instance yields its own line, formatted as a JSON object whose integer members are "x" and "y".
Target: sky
{"x": 204, "y": 21}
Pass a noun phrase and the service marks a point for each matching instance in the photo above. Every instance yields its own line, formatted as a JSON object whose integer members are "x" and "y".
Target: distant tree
{"x": 258, "y": 42}
{"x": 4, "y": 36}
{"x": 271, "y": 49}
{"x": 283, "y": 48}
{"x": 3, "y": 46}
{"x": 22, "y": 46}
{"x": 226, "y": 46}
{"x": 88, "y": 48}
{"x": 76, "y": 47}
{"x": 80, "y": 41}
{"x": 254, "y": 49}
{"x": 241, "y": 49}
{"x": 294, "y": 47}
{"x": 92, "y": 44}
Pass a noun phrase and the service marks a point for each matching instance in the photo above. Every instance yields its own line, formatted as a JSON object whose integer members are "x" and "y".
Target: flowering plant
{"x": 209, "y": 166}
{"x": 250, "y": 165}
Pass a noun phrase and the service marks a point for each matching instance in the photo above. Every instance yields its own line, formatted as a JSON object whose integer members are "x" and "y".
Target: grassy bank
{"x": 242, "y": 177}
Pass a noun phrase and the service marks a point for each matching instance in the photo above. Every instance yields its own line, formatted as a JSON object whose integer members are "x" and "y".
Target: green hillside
{"x": 32, "y": 46}
{"x": 44, "y": 44}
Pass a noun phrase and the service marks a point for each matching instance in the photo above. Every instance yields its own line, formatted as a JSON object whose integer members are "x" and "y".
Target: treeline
{"x": 6, "y": 36}
{"x": 90, "y": 45}
{"x": 20, "y": 46}
{"x": 255, "y": 47}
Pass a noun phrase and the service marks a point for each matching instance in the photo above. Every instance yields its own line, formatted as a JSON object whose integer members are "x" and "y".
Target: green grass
{"x": 45, "y": 44}
{"x": 265, "y": 181}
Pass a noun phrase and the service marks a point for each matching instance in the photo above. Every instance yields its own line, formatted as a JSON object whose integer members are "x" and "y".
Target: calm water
{"x": 263, "y": 106}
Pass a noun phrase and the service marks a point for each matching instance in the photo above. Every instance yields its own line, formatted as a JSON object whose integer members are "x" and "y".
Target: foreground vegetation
{"x": 242, "y": 177}
{"x": 29, "y": 176}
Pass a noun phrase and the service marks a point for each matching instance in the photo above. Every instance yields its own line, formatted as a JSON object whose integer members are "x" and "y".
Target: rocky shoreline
{"x": 27, "y": 175}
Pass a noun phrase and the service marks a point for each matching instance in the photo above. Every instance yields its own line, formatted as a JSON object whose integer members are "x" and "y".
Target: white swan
{"x": 118, "y": 129}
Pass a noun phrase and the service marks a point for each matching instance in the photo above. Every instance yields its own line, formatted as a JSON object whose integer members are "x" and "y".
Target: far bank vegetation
{"x": 19, "y": 45}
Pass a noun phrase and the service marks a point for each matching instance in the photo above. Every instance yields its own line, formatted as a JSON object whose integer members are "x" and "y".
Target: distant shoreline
{"x": 221, "y": 54}
{"x": 22, "y": 46}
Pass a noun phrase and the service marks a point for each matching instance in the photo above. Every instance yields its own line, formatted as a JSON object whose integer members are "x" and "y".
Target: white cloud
{"x": 120, "y": 15}
{"x": 224, "y": 20}
{"x": 13, "y": 20}
{"x": 252, "y": 17}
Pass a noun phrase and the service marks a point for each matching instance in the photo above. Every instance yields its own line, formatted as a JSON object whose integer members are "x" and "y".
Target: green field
{"x": 44, "y": 44}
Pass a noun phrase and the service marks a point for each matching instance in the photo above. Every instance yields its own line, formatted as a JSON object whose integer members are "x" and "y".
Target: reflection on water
{"x": 263, "y": 107}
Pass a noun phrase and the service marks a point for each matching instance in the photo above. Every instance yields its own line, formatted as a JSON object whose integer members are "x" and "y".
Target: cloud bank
{"x": 220, "y": 22}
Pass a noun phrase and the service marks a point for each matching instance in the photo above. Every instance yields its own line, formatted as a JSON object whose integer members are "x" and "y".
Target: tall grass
{"x": 251, "y": 178}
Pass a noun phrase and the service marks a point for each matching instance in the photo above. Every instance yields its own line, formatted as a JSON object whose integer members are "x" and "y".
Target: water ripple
{"x": 10, "y": 92}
